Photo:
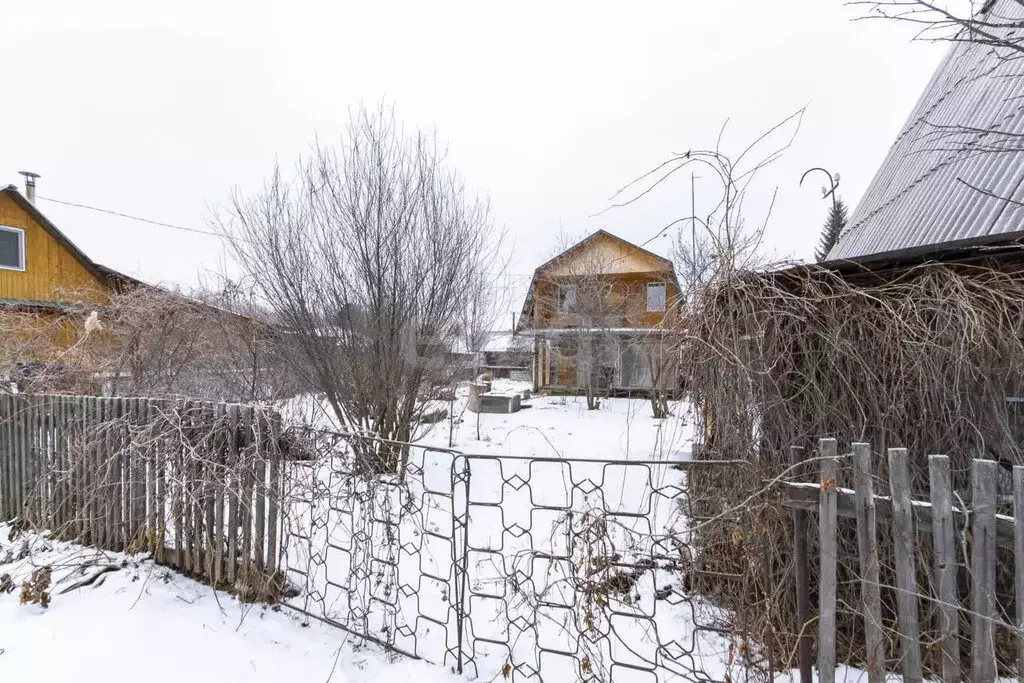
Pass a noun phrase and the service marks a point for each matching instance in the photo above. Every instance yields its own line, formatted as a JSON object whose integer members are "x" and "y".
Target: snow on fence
{"x": 195, "y": 483}
{"x": 953, "y": 584}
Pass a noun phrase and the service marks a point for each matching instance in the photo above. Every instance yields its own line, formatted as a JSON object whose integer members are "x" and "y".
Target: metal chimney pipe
{"x": 30, "y": 185}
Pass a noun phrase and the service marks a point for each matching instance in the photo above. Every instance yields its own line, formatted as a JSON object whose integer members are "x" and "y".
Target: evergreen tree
{"x": 830, "y": 232}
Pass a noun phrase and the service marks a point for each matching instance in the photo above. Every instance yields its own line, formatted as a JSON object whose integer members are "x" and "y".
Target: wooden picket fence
{"x": 940, "y": 516}
{"x": 195, "y": 483}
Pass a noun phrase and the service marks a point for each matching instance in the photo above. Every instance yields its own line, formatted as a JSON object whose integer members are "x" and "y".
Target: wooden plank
{"x": 5, "y": 455}
{"x": 82, "y": 458}
{"x": 984, "y": 474}
{"x": 7, "y": 445}
{"x": 871, "y": 597}
{"x": 74, "y": 464}
{"x": 198, "y": 485}
{"x": 100, "y": 471}
{"x": 179, "y": 503}
{"x": 24, "y": 445}
{"x": 138, "y": 424}
{"x": 95, "y": 490}
{"x": 827, "y": 541}
{"x": 6, "y": 461}
{"x": 158, "y": 424}
{"x": 261, "y": 449}
{"x": 68, "y": 512}
{"x": 807, "y": 497}
{"x": 273, "y": 492}
{"x": 54, "y": 462}
{"x": 247, "y": 481}
{"x": 52, "y": 419}
{"x": 211, "y": 448}
{"x": 31, "y": 501}
{"x": 802, "y": 579}
{"x": 42, "y": 461}
{"x": 18, "y": 437}
{"x": 231, "y": 536}
{"x": 60, "y": 451}
{"x": 1018, "y": 562}
{"x": 219, "y": 456}
{"x": 20, "y": 455}
{"x": 37, "y": 453}
{"x": 906, "y": 572}
{"x": 118, "y": 459}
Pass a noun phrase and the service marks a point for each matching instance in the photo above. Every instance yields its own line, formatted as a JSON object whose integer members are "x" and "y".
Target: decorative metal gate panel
{"x": 525, "y": 569}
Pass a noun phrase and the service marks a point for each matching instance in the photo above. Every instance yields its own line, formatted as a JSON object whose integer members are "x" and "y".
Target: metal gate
{"x": 522, "y": 568}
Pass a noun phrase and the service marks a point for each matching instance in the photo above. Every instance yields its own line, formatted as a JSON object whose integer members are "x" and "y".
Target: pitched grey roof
{"x": 963, "y": 139}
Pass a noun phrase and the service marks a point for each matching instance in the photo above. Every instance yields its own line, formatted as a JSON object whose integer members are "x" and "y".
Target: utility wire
{"x": 182, "y": 227}
{"x": 134, "y": 218}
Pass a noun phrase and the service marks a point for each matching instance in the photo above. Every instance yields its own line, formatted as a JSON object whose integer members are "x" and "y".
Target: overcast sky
{"x": 549, "y": 107}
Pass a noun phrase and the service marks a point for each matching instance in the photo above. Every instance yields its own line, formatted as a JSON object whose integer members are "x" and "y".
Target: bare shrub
{"x": 922, "y": 358}
{"x": 364, "y": 259}
{"x": 145, "y": 341}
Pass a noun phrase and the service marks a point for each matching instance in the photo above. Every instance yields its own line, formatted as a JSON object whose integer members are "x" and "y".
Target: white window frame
{"x": 21, "y": 247}
{"x": 664, "y": 298}
{"x": 568, "y": 306}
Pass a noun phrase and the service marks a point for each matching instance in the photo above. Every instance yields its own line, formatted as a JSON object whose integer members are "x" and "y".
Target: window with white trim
{"x": 655, "y": 296}
{"x": 566, "y": 298}
{"x": 12, "y": 248}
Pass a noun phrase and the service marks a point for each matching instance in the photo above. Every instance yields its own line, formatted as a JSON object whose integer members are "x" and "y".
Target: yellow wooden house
{"x": 47, "y": 284}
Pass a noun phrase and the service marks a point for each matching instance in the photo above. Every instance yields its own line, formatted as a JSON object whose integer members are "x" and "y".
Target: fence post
{"x": 803, "y": 595}
{"x": 827, "y": 513}
{"x": 944, "y": 549}
{"x": 231, "y": 533}
{"x": 460, "y": 474}
{"x": 6, "y": 459}
{"x": 274, "y": 492}
{"x": 906, "y": 572}
{"x": 867, "y": 544}
{"x": 983, "y": 569}
{"x": 1018, "y": 561}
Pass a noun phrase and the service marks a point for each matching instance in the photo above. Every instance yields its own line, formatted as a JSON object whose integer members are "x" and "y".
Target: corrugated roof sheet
{"x": 927, "y": 189}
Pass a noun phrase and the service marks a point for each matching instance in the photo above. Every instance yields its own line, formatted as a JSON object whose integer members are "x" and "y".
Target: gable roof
{"x": 668, "y": 267}
{"x": 593, "y": 237}
{"x": 956, "y": 171}
{"x": 107, "y": 276}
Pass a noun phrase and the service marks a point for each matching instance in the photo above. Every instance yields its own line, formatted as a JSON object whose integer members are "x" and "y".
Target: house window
{"x": 566, "y": 298}
{"x": 656, "y": 296}
{"x": 12, "y": 248}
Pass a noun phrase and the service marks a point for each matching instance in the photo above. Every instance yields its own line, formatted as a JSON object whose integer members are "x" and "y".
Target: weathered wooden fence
{"x": 952, "y": 525}
{"x": 198, "y": 484}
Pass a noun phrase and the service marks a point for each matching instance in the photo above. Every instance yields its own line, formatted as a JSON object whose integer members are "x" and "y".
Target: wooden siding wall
{"x": 604, "y": 254}
{"x": 626, "y": 302}
{"x": 37, "y": 336}
{"x": 51, "y": 272}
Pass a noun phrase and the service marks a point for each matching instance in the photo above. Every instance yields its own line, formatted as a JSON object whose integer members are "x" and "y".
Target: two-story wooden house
{"x": 598, "y": 313}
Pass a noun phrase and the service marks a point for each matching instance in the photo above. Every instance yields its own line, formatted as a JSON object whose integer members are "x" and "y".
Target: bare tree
{"x": 990, "y": 22}
{"x": 717, "y": 246}
{"x": 488, "y": 296}
{"x": 363, "y": 257}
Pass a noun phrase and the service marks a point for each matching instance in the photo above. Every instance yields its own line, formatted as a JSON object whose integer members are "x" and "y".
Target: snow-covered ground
{"x": 561, "y": 426}
{"x": 144, "y": 622}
